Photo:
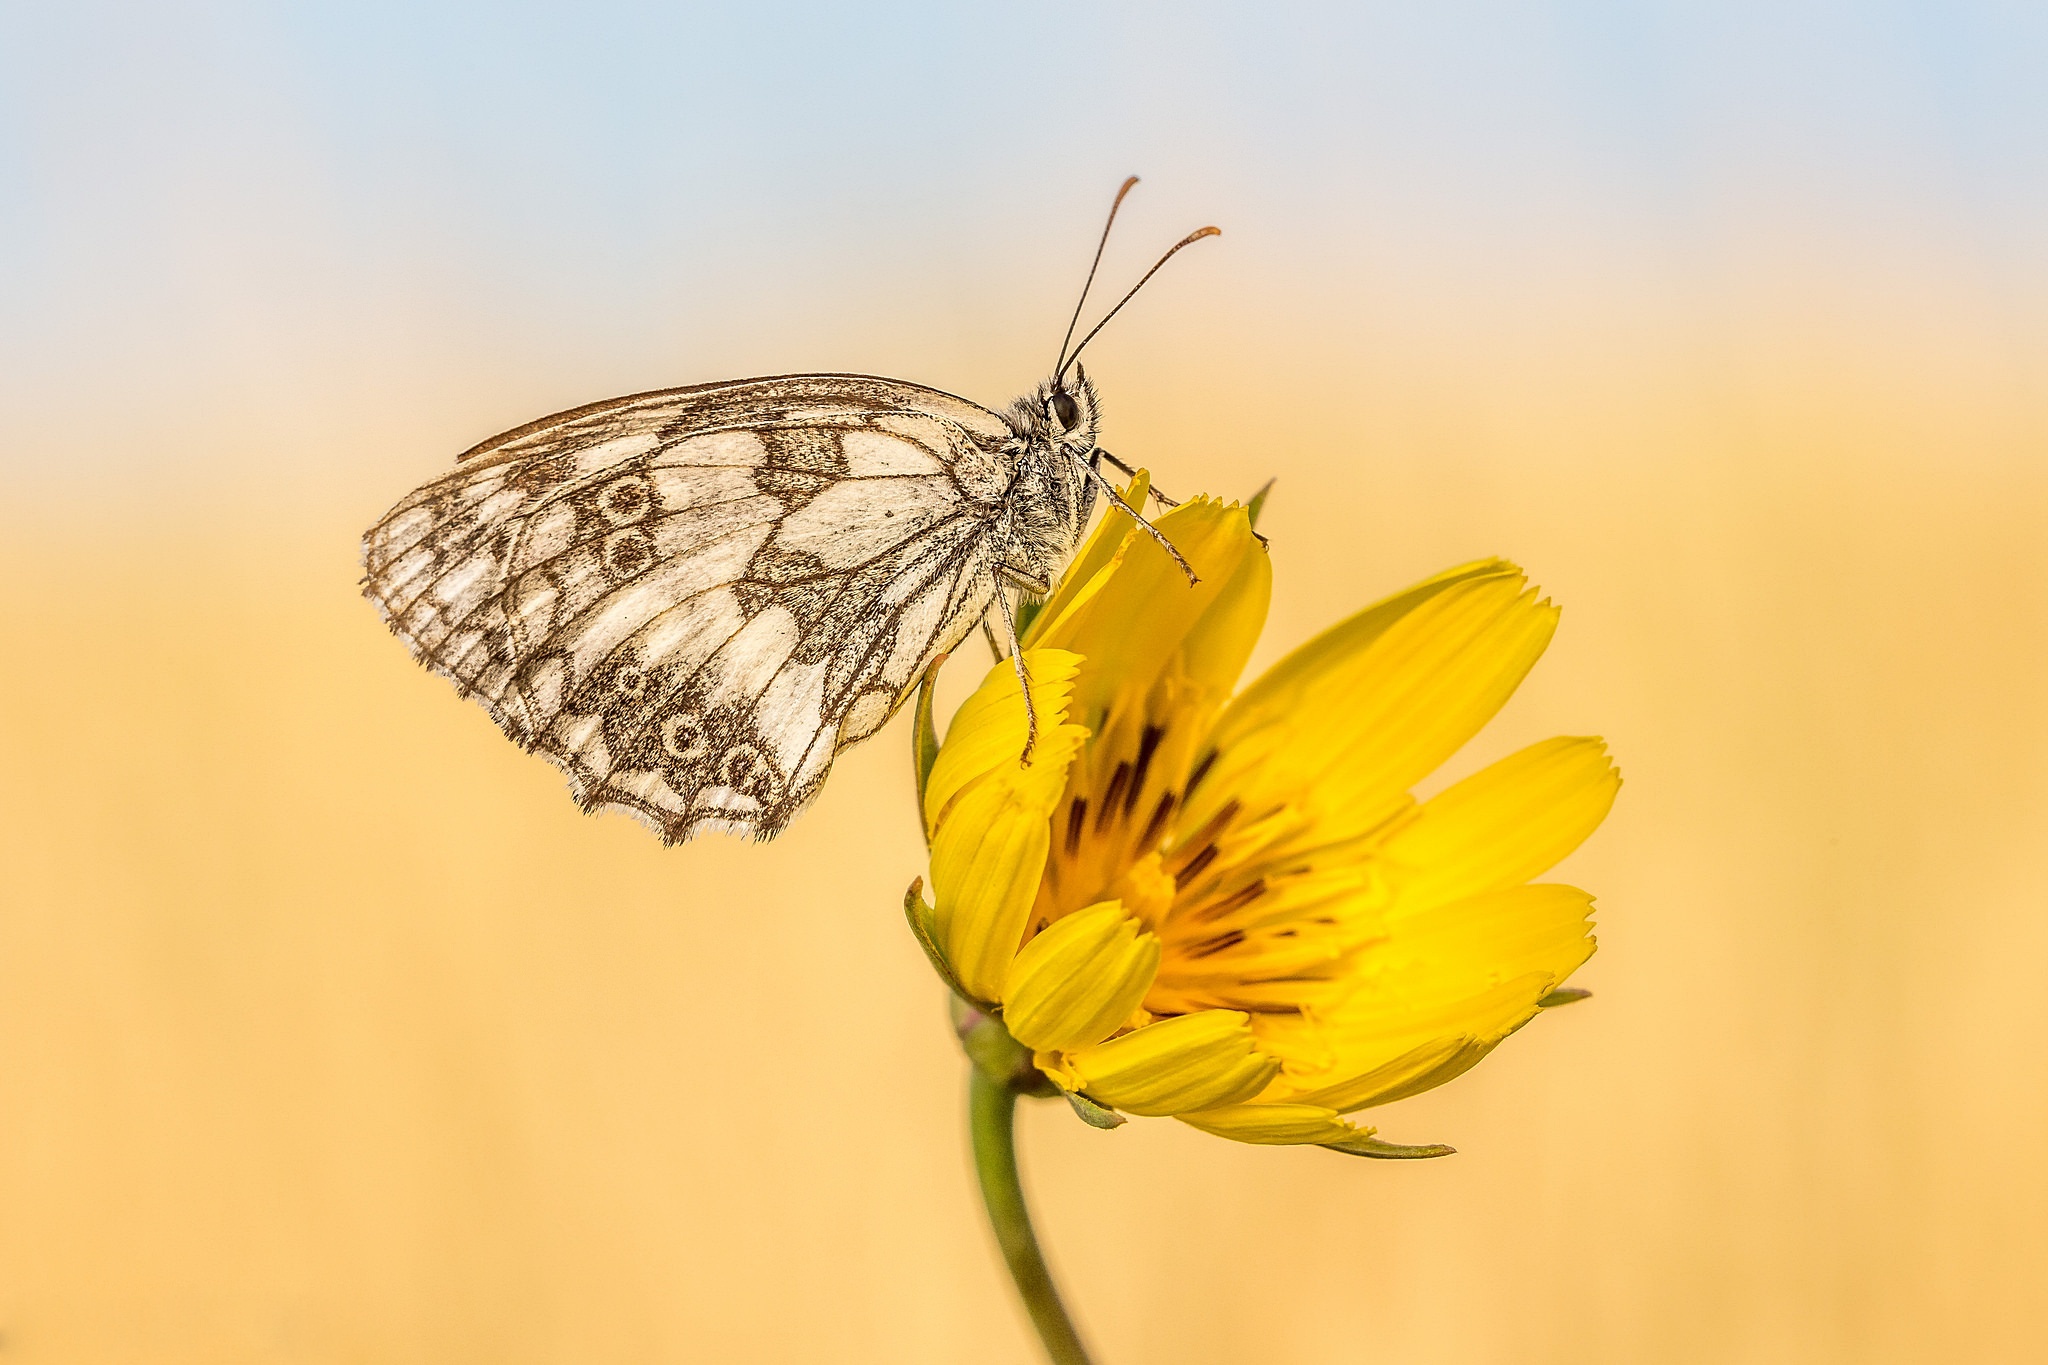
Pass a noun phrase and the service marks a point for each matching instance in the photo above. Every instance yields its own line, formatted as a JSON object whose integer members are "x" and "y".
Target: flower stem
{"x": 991, "y": 1117}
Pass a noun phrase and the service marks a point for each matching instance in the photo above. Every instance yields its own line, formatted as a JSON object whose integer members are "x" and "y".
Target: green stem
{"x": 991, "y": 1116}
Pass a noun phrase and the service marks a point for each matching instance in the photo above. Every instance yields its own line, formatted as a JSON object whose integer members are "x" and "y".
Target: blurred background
{"x": 330, "y": 1031}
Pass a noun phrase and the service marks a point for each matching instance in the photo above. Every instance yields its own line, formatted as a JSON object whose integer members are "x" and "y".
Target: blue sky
{"x": 196, "y": 196}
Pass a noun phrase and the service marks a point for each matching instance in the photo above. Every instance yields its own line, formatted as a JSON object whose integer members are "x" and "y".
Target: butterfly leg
{"x": 1023, "y": 678}
{"x": 1128, "y": 472}
{"x": 1037, "y": 584}
{"x": 1117, "y": 498}
{"x": 1159, "y": 497}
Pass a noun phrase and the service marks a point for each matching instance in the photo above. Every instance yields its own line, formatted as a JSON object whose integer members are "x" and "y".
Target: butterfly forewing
{"x": 691, "y": 599}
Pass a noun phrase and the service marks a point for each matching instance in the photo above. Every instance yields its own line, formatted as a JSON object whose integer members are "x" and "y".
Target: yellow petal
{"x": 1164, "y": 658}
{"x": 1419, "y": 1069}
{"x": 1213, "y": 654}
{"x": 1289, "y": 1125}
{"x": 1142, "y": 611}
{"x": 990, "y": 814}
{"x": 1079, "y": 979}
{"x": 1273, "y": 1125}
{"x": 1350, "y": 721}
{"x": 986, "y": 862}
{"x": 1503, "y": 825}
{"x": 1457, "y": 978}
{"x": 1197, "y": 1061}
{"x": 987, "y": 734}
{"x": 1356, "y": 632}
{"x": 1083, "y": 577}
{"x": 1483, "y": 939}
{"x": 1282, "y": 925}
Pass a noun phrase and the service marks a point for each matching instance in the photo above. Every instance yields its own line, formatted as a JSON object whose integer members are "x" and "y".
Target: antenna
{"x": 1060, "y": 366}
{"x": 1197, "y": 235}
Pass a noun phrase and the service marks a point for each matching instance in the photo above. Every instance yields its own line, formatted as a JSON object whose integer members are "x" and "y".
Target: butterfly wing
{"x": 691, "y": 599}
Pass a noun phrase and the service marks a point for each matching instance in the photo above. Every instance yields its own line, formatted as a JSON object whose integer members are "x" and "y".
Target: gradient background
{"x": 331, "y": 1032}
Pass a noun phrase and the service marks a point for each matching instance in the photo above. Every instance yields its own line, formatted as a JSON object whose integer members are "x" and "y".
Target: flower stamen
{"x": 1155, "y": 828}
{"x": 1228, "y": 939}
{"x": 1236, "y": 900}
{"x": 1148, "y": 744}
{"x": 1194, "y": 867}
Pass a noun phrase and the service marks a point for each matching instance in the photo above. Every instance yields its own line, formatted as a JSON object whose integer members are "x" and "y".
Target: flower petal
{"x": 1419, "y": 1069}
{"x": 1196, "y": 1061}
{"x": 986, "y": 862}
{"x": 1292, "y": 1125}
{"x": 1272, "y": 1125}
{"x": 1084, "y": 575}
{"x": 1213, "y": 654}
{"x": 1345, "y": 725}
{"x": 1443, "y": 987}
{"x": 1079, "y": 980}
{"x": 987, "y": 733}
{"x": 1282, "y": 926}
{"x": 1135, "y": 622}
{"x": 989, "y": 818}
{"x": 1503, "y": 825}
{"x": 1162, "y": 658}
{"x": 1358, "y": 631}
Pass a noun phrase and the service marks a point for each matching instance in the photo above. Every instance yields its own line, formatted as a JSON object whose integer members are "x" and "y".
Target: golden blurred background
{"x": 331, "y": 1032}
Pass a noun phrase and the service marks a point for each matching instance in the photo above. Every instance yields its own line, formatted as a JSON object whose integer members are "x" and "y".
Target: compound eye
{"x": 1066, "y": 410}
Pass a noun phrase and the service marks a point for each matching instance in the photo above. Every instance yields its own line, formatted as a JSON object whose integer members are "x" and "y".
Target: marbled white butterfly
{"x": 691, "y": 599}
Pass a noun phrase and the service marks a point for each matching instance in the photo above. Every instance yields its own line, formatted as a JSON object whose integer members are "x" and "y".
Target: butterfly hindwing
{"x": 690, "y": 600}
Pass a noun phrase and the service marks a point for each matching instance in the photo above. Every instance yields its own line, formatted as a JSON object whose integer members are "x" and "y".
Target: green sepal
{"x": 1093, "y": 1114}
{"x": 998, "y": 1056}
{"x": 1368, "y": 1145}
{"x": 924, "y": 928}
{"x": 1258, "y": 502}
{"x": 1563, "y": 995}
{"x": 995, "y": 1053}
{"x": 924, "y": 739}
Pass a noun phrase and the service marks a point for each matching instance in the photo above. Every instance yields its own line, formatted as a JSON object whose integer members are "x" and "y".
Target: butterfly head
{"x": 1061, "y": 414}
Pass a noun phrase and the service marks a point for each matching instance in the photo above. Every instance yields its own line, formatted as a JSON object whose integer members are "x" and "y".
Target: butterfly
{"x": 691, "y": 599}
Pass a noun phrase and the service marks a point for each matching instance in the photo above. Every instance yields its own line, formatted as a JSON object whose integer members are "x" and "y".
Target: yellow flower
{"x": 1232, "y": 909}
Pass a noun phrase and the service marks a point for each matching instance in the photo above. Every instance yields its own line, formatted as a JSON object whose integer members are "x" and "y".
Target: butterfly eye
{"x": 1066, "y": 409}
